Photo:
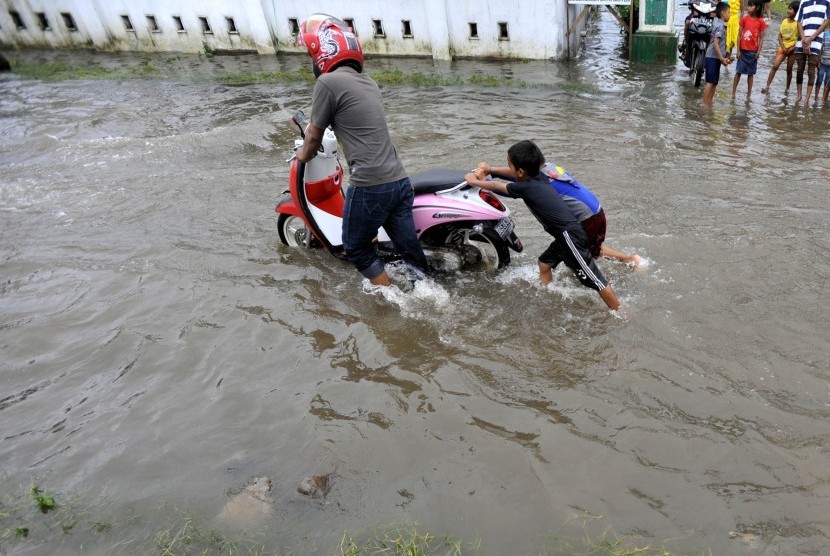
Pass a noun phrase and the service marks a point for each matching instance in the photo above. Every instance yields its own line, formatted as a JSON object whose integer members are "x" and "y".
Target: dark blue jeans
{"x": 368, "y": 208}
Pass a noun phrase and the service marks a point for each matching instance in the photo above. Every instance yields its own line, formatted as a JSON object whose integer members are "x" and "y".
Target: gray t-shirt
{"x": 718, "y": 34}
{"x": 350, "y": 102}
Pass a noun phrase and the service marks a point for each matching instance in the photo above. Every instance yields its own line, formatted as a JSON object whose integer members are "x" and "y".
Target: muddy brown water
{"x": 160, "y": 347}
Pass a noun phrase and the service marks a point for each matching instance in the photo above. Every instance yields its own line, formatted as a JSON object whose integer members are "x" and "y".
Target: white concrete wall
{"x": 439, "y": 28}
{"x": 252, "y": 31}
{"x": 390, "y": 14}
{"x": 87, "y": 22}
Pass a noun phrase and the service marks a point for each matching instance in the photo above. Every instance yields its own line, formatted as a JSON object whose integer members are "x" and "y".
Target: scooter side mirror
{"x": 298, "y": 119}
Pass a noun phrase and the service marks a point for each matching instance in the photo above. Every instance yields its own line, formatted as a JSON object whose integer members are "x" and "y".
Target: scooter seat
{"x": 435, "y": 180}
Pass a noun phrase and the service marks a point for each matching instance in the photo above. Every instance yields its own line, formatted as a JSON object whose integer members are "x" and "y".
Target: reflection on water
{"x": 161, "y": 347}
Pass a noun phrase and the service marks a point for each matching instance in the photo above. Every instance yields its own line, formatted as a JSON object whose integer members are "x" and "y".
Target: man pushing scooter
{"x": 379, "y": 193}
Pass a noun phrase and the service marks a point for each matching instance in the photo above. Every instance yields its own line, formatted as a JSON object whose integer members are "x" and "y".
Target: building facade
{"x": 441, "y": 29}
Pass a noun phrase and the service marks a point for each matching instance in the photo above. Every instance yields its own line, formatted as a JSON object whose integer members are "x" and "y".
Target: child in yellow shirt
{"x": 787, "y": 37}
{"x": 736, "y": 10}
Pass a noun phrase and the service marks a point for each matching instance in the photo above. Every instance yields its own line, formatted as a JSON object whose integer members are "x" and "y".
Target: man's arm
{"x": 312, "y": 143}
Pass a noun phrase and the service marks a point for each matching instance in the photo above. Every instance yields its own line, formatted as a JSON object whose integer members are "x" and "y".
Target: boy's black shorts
{"x": 713, "y": 70}
{"x": 577, "y": 259}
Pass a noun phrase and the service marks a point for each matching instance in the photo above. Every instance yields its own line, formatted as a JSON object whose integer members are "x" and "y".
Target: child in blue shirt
{"x": 570, "y": 244}
{"x": 716, "y": 54}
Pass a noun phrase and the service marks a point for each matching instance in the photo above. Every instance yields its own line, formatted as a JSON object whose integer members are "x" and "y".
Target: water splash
{"x": 416, "y": 295}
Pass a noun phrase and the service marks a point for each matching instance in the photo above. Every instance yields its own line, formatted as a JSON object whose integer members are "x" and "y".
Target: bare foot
{"x": 798, "y": 99}
{"x": 634, "y": 261}
{"x": 764, "y": 91}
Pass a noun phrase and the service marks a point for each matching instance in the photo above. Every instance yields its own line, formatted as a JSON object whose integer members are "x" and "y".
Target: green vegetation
{"x": 302, "y": 75}
{"x": 149, "y": 68}
{"x": 189, "y": 539}
{"x": 779, "y": 11}
{"x": 45, "y": 502}
{"x": 404, "y": 540}
{"x": 33, "y": 516}
{"x": 55, "y": 71}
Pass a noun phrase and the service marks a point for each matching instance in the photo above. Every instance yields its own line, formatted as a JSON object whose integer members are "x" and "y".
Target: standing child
{"x": 812, "y": 21}
{"x": 736, "y": 8}
{"x": 824, "y": 68}
{"x": 787, "y": 37}
{"x": 750, "y": 41}
{"x": 570, "y": 243}
{"x": 716, "y": 52}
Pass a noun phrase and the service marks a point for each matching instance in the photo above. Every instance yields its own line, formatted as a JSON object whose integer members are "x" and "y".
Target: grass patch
{"x": 779, "y": 11}
{"x": 146, "y": 68}
{"x": 302, "y": 75}
{"x": 45, "y": 502}
{"x": 189, "y": 539}
{"x": 406, "y": 540}
{"x": 56, "y": 71}
{"x": 33, "y": 517}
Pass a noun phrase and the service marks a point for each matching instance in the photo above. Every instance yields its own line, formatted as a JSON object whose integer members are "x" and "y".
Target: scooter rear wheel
{"x": 293, "y": 231}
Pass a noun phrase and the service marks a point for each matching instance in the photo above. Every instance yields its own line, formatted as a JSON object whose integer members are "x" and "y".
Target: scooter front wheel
{"x": 293, "y": 231}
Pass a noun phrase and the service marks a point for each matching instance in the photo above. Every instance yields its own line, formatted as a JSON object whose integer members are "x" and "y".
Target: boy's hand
{"x": 471, "y": 177}
{"x": 483, "y": 167}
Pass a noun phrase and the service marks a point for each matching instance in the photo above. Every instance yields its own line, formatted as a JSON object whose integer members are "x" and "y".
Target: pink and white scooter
{"x": 461, "y": 227}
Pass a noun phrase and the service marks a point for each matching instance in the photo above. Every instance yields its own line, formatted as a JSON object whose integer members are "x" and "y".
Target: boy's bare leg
{"x": 735, "y": 82}
{"x": 610, "y": 297}
{"x": 633, "y": 260}
{"x": 545, "y": 273}
{"x": 809, "y": 92}
{"x": 708, "y": 94}
{"x": 750, "y": 79}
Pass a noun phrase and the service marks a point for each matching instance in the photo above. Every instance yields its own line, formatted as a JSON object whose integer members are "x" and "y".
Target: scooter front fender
{"x": 288, "y": 206}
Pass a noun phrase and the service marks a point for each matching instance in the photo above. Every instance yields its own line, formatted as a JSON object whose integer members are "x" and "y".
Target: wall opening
{"x": 473, "y": 30}
{"x": 378, "y": 24}
{"x": 294, "y": 26}
{"x": 128, "y": 25}
{"x": 205, "y": 26}
{"x": 153, "y": 24}
{"x": 503, "y": 34}
{"x": 18, "y": 21}
{"x": 407, "y": 29}
{"x": 69, "y": 21}
{"x": 231, "y": 26}
{"x": 179, "y": 24}
{"x": 350, "y": 24}
{"x": 43, "y": 21}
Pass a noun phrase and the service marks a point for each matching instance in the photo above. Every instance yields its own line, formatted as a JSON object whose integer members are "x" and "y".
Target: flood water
{"x": 161, "y": 348}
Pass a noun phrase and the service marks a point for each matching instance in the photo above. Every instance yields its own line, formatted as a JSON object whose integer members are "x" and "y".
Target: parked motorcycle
{"x": 460, "y": 227}
{"x": 699, "y": 32}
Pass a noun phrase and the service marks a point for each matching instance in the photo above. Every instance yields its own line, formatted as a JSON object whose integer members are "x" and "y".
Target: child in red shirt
{"x": 750, "y": 41}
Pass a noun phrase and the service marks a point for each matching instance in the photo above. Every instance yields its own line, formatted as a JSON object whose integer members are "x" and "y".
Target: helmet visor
{"x": 312, "y": 24}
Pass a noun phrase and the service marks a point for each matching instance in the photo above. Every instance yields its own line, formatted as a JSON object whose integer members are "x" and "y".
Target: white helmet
{"x": 704, "y": 7}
